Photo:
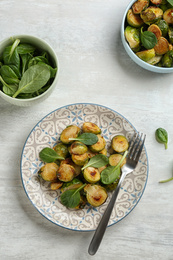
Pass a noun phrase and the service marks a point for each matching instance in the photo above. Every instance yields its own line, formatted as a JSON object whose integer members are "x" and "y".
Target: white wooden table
{"x": 93, "y": 68}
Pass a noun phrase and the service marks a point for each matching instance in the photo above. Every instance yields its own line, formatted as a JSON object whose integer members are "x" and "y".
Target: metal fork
{"x": 135, "y": 149}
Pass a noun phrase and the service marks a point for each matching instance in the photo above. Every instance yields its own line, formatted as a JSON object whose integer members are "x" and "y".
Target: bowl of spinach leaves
{"x": 28, "y": 70}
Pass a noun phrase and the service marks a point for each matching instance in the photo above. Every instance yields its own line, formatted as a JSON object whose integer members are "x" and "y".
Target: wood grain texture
{"x": 94, "y": 68}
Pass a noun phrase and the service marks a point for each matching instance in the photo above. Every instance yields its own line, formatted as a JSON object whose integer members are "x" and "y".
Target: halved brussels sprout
{"x": 96, "y": 195}
{"x": 155, "y": 60}
{"x": 139, "y": 6}
{"x": 114, "y": 159}
{"x": 170, "y": 34}
{"x": 91, "y": 174}
{"x": 167, "y": 59}
{"x": 134, "y": 19}
{"x": 120, "y": 143}
{"x": 163, "y": 27}
{"x": 89, "y": 127}
{"x": 71, "y": 131}
{"x": 80, "y": 159}
{"x": 104, "y": 151}
{"x": 61, "y": 149}
{"x": 132, "y": 36}
{"x": 100, "y": 145}
{"x": 78, "y": 148}
{"x": 74, "y": 184}
{"x": 146, "y": 55}
{"x": 156, "y": 2}
{"x": 66, "y": 172}
{"x": 156, "y": 30}
{"x": 48, "y": 172}
{"x": 151, "y": 14}
{"x": 112, "y": 186}
{"x": 162, "y": 46}
{"x": 56, "y": 185}
{"x": 91, "y": 154}
{"x": 168, "y": 16}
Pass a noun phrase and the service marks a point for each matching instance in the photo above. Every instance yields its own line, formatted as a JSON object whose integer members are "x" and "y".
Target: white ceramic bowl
{"x": 132, "y": 55}
{"x": 40, "y": 44}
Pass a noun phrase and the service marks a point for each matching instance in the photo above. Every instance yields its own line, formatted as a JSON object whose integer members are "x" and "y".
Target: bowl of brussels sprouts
{"x": 147, "y": 34}
{"x": 28, "y": 70}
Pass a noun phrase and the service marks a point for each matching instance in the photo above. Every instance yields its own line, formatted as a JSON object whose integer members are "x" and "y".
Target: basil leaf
{"x": 71, "y": 198}
{"x": 97, "y": 161}
{"x": 9, "y": 75}
{"x": 10, "y": 54}
{"x": 33, "y": 79}
{"x": 148, "y": 39}
{"x": 48, "y": 155}
{"x": 86, "y": 138}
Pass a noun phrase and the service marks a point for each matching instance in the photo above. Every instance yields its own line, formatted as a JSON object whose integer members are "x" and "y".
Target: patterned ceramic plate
{"x": 45, "y": 134}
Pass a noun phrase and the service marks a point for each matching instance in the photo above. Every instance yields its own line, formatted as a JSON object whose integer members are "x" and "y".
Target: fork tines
{"x": 136, "y": 146}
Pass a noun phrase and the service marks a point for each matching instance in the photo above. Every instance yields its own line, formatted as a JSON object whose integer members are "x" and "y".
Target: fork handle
{"x": 99, "y": 233}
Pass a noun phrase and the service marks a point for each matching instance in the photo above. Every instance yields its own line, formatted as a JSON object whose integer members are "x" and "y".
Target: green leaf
{"x": 25, "y": 48}
{"x": 33, "y": 79}
{"x": 25, "y": 60}
{"x": 10, "y": 54}
{"x": 86, "y": 138}
{"x": 162, "y": 136}
{"x": 8, "y": 89}
{"x": 111, "y": 173}
{"x": 9, "y": 75}
{"x": 148, "y": 39}
{"x": 97, "y": 161}
{"x": 170, "y": 2}
{"x": 71, "y": 198}
{"x": 48, "y": 155}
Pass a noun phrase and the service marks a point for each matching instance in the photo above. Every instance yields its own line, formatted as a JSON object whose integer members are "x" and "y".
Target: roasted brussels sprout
{"x": 89, "y": 127}
{"x": 56, "y": 185}
{"x": 155, "y": 60}
{"x": 151, "y": 14}
{"x": 146, "y": 55}
{"x": 61, "y": 149}
{"x": 100, "y": 145}
{"x": 162, "y": 46}
{"x": 114, "y": 159}
{"x": 48, "y": 172}
{"x": 91, "y": 174}
{"x": 134, "y": 19}
{"x": 66, "y": 172}
{"x": 71, "y": 131}
{"x": 80, "y": 159}
{"x": 170, "y": 34}
{"x": 139, "y": 6}
{"x": 120, "y": 143}
{"x": 163, "y": 27}
{"x": 78, "y": 148}
{"x": 96, "y": 195}
{"x": 168, "y": 16}
{"x": 156, "y": 30}
{"x": 156, "y": 2}
{"x": 104, "y": 151}
{"x": 132, "y": 36}
{"x": 167, "y": 59}
{"x": 112, "y": 186}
